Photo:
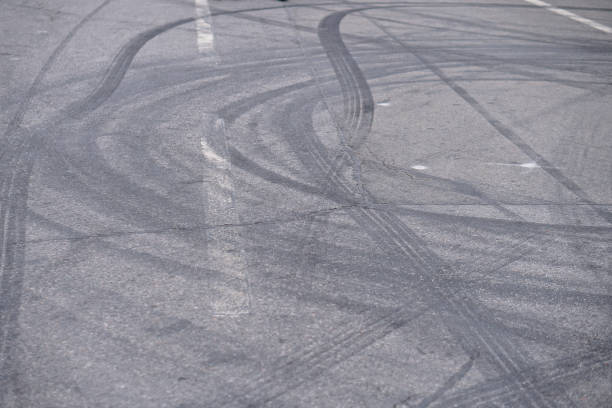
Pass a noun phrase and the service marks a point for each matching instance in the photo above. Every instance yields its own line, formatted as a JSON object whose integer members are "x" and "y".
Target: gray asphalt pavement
{"x": 310, "y": 203}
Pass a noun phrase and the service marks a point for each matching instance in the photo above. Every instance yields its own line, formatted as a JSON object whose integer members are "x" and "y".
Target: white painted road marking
{"x": 223, "y": 254}
{"x": 530, "y": 165}
{"x": 204, "y": 29}
{"x": 211, "y": 156}
{"x": 419, "y": 167}
{"x": 572, "y": 16}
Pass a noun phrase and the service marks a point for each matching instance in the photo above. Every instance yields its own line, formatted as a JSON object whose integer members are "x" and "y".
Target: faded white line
{"x": 223, "y": 245}
{"x": 205, "y": 35}
{"x": 530, "y": 165}
{"x": 418, "y": 167}
{"x": 570, "y": 15}
{"x": 211, "y": 156}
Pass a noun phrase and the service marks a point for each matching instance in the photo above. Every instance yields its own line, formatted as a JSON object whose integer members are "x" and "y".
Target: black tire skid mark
{"x": 508, "y": 255}
{"x": 359, "y": 108}
{"x": 505, "y": 32}
{"x": 123, "y": 197}
{"x": 266, "y": 388}
{"x": 545, "y": 376}
{"x": 502, "y": 129}
{"x": 544, "y": 295}
{"x": 115, "y": 79}
{"x": 118, "y": 68}
{"x": 17, "y": 119}
{"x": 322, "y": 157}
{"x": 460, "y": 313}
{"x": 12, "y": 261}
{"x": 251, "y": 167}
{"x": 105, "y": 198}
{"x": 19, "y": 165}
{"x": 500, "y": 353}
{"x": 87, "y": 184}
{"x": 509, "y": 66}
{"x": 231, "y": 113}
{"x": 394, "y": 325}
{"x": 136, "y": 348}
{"x": 498, "y": 225}
{"x": 487, "y": 60}
{"x": 541, "y": 38}
{"x": 549, "y": 334}
{"x": 192, "y": 65}
{"x": 444, "y": 184}
{"x": 347, "y": 190}
{"x": 123, "y": 59}
{"x": 69, "y": 260}
{"x": 358, "y": 104}
{"x": 378, "y": 235}
{"x": 113, "y": 205}
{"x": 195, "y": 352}
{"x": 527, "y": 150}
{"x": 449, "y": 384}
{"x": 92, "y": 181}
{"x": 310, "y": 363}
{"x": 121, "y": 63}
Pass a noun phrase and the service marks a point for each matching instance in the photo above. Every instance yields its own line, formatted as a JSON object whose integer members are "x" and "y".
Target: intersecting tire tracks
{"x": 459, "y": 312}
{"x": 17, "y": 160}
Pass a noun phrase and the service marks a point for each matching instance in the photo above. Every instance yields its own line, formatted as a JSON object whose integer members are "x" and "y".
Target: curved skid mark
{"x": 117, "y": 71}
{"x": 309, "y": 363}
{"x": 118, "y": 68}
{"x": 460, "y": 314}
{"x": 502, "y": 129}
{"x": 34, "y": 88}
{"x": 449, "y": 384}
{"x": 358, "y": 99}
{"x": 16, "y": 178}
{"x": 544, "y": 376}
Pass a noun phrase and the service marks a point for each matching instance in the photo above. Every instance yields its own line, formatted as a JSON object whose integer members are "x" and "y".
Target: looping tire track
{"x": 499, "y": 353}
{"x": 379, "y": 225}
{"x": 119, "y": 66}
{"x": 358, "y": 99}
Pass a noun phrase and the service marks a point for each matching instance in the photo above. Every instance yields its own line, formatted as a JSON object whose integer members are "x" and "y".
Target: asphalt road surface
{"x": 310, "y": 203}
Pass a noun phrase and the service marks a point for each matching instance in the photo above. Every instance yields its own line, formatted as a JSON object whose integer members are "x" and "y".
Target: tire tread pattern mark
{"x": 545, "y": 376}
{"x": 17, "y": 159}
{"x": 459, "y": 312}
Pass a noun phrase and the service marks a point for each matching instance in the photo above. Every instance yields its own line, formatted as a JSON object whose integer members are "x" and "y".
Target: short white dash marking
{"x": 571, "y": 16}
{"x": 529, "y": 165}
{"x": 419, "y": 167}
{"x": 211, "y": 155}
{"x": 384, "y": 104}
{"x": 205, "y": 35}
